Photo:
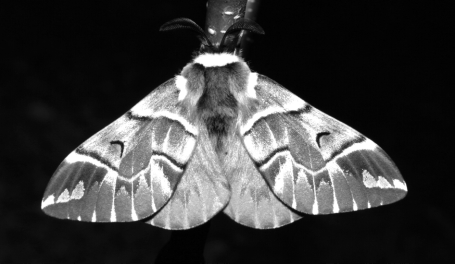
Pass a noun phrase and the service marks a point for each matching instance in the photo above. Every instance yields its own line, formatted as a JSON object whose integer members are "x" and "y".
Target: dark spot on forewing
{"x": 319, "y": 136}
{"x": 120, "y": 144}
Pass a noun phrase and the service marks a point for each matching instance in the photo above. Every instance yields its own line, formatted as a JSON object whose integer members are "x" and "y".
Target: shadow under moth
{"x": 219, "y": 137}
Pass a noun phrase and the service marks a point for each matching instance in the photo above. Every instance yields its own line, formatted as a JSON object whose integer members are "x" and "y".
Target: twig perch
{"x": 221, "y": 14}
{"x": 251, "y": 12}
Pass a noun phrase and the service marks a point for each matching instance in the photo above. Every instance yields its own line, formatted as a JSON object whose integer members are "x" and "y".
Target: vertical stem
{"x": 251, "y": 12}
{"x": 221, "y": 14}
{"x": 252, "y": 9}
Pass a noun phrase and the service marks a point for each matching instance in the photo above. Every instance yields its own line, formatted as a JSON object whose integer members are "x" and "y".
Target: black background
{"x": 69, "y": 69}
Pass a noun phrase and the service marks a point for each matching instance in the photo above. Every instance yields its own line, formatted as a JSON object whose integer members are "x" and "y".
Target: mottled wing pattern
{"x": 312, "y": 162}
{"x": 252, "y": 202}
{"x": 130, "y": 169}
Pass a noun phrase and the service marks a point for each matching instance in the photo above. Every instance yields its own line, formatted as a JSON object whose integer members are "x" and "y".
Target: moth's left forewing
{"x": 312, "y": 162}
{"x": 129, "y": 169}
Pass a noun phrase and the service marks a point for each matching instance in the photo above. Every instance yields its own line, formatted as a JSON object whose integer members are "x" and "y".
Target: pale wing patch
{"x": 48, "y": 201}
{"x": 315, "y": 210}
{"x": 113, "y": 214}
{"x": 336, "y": 208}
{"x": 180, "y": 83}
{"x": 78, "y": 192}
{"x": 370, "y": 182}
{"x": 134, "y": 216}
{"x": 252, "y": 82}
{"x": 400, "y": 185}
{"x": 64, "y": 197}
{"x": 354, "y": 207}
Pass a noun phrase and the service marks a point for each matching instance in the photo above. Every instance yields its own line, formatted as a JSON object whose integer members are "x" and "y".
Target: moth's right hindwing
{"x": 130, "y": 169}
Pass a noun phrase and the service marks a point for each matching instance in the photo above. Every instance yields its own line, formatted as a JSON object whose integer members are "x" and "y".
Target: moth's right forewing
{"x": 312, "y": 162}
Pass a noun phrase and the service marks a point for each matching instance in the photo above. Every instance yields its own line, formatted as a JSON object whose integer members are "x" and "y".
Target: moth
{"x": 219, "y": 137}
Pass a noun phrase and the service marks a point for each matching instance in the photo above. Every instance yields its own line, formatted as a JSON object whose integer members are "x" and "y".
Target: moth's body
{"x": 219, "y": 137}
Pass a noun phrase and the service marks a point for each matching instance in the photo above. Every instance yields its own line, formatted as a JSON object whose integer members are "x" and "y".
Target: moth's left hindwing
{"x": 312, "y": 162}
{"x": 130, "y": 169}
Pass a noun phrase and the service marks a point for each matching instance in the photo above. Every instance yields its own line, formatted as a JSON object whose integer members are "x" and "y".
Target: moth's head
{"x": 231, "y": 38}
